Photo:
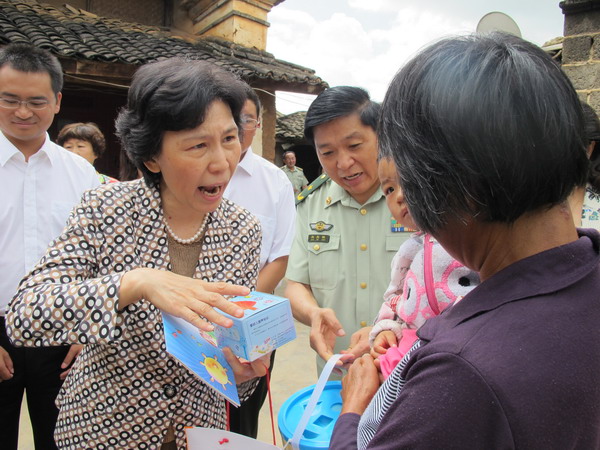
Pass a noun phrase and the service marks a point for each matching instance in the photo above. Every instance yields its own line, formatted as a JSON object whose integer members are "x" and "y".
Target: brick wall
{"x": 581, "y": 48}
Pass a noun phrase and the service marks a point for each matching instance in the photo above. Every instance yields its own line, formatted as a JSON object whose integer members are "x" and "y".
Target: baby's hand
{"x": 382, "y": 342}
{"x": 378, "y": 367}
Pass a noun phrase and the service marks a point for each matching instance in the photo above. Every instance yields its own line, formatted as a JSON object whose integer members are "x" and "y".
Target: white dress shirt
{"x": 36, "y": 197}
{"x": 264, "y": 190}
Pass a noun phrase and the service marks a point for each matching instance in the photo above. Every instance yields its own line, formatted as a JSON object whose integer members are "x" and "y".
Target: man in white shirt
{"x": 264, "y": 190}
{"x": 40, "y": 183}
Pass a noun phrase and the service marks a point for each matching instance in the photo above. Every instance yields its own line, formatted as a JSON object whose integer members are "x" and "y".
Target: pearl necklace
{"x": 194, "y": 238}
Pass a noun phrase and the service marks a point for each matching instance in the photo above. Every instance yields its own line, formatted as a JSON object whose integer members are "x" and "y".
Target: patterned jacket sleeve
{"x": 67, "y": 298}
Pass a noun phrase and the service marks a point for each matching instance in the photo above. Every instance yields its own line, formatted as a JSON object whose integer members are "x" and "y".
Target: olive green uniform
{"x": 343, "y": 250}
{"x": 297, "y": 178}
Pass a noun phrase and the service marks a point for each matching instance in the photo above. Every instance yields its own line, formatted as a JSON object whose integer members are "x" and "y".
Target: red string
{"x": 227, "y": 413}
{"x": 270, "y": 405}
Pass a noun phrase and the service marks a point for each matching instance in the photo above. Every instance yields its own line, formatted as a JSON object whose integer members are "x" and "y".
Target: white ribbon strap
{"x": 312, "y": 402}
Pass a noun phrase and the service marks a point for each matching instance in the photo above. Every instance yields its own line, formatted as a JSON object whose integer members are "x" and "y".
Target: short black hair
{"x": 340, "y": 101}
{"x": 592, "y": 135}
{"x": 127, "y": 171}
{"x": 253, "y": 97}
{"x": 172, "y": 95}
{"x": 87, "y": 131}
{"x": 485, "y": 126}
{"x": 592, "y": 123}
{"x": 27, "y": 58}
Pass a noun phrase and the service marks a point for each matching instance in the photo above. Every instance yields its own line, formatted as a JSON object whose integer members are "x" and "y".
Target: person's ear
{"x": 58, "y": 99}
{"x": 152, "y": 166}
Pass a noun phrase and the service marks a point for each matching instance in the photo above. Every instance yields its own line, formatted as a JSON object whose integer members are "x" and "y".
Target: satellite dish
{"x": 497, "y": 21}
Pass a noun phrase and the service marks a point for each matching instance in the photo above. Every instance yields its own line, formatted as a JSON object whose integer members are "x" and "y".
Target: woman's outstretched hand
{"x": 180, "y": 296}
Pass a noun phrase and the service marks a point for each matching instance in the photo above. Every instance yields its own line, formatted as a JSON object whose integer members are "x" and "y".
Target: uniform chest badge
{"x": 321, "y": 226}
{"x": 396, "y": 227}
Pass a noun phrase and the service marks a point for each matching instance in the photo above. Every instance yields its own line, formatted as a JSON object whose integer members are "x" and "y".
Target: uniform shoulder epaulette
{"x": 301, "y": 169}
{"x": 312, "y": 187}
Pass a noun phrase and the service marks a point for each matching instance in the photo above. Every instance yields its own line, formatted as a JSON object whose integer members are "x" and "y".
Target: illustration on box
{"x": 267, "y": 324}
{"x": 197, "y": 350}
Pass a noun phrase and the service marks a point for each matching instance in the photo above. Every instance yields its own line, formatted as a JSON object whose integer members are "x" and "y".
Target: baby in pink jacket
{"x": 425, "y": 280}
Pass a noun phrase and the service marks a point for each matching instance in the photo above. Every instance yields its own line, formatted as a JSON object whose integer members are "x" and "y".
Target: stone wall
{"x": 243, "y": 22}
{"x": 581, "y": 48}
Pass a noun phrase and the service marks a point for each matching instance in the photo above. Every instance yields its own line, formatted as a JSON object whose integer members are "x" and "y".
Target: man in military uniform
{"x": 294, "y": 173}
{"x": 339, "y": 265}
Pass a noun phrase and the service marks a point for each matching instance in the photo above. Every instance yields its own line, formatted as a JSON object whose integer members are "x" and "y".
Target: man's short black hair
{"x": 340, "y": 101}
{"x": 253, "y": 97}
{"x": 27, "y": 58}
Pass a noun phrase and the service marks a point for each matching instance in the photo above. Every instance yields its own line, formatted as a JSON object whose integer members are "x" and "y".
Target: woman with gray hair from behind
{"x": 487, "y": 135}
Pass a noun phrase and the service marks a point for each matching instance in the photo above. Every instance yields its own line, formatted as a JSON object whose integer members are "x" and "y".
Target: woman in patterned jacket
{"x": 167, "y": 242}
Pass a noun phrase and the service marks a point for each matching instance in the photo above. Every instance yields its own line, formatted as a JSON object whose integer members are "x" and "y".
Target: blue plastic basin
{"x": 320, "y": 425}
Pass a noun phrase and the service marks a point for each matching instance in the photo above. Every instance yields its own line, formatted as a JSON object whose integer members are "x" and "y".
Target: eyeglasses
{"x": 250, "y": 124}
{"x": 11, "y": 103}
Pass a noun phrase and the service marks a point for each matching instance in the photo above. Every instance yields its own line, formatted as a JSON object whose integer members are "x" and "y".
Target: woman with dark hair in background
{"x": 488, "y": 138}
{"x": 87, "y": 141}
{"x": 167, "y": 242}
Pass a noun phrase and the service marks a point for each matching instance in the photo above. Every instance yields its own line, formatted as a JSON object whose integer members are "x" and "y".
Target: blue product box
{"x": 267, "y": 324}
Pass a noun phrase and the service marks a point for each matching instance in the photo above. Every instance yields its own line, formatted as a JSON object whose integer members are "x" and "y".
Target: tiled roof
{"x": 290, "y": 127}
{"x": 70, "y": 32}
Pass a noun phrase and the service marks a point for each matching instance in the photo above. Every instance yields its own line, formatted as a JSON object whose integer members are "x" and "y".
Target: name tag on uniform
{"x": 399, "y": 228}
{"x": 318, "y": 238}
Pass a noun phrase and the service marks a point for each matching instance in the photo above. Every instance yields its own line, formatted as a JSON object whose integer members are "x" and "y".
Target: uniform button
{"x": 363, "y": 324}
{"x": 363, "y": 247}
{"x": 328, "y": 200}
{"x": 169, "y": 390}
{"x": 316, "y": 246}
{"x": 363, "y": 285}
{"x": 363, "y": 211}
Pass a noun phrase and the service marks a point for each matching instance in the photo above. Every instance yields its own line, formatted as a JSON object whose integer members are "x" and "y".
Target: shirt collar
{"x": 247, "y": 164}
{"x": 339, "y": 194}
{"x": 543, "y": 273}
{"x": 8, "y": 150}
